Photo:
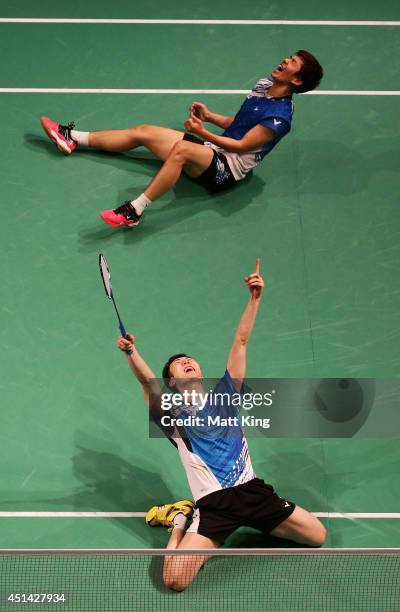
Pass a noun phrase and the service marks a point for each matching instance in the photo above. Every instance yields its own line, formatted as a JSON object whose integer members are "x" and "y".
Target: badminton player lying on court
{"x": 263, "y": 119}
{"x": 217, "y": 462}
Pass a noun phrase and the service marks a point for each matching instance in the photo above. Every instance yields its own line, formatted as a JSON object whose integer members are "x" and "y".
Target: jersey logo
{"x": 276, "y": 122}
{"x": 256, "y": 108}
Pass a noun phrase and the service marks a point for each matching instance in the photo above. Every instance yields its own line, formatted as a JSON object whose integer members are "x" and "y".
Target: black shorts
{"x": 252, "y": 504}
{"x": 218, "y": 175}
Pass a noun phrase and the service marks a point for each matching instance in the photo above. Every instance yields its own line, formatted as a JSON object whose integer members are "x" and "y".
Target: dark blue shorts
{"x": 218, "y": 175}
{"x": 252, "y": 504}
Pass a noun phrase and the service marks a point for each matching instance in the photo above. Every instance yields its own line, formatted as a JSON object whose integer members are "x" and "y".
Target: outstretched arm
{"x": 139, "y": 367}
{"x": 237, "y": 356}
{"x": 200, "y": 110}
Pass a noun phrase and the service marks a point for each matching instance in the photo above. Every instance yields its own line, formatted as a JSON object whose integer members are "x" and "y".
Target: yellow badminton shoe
{"x": 165, "y": 514}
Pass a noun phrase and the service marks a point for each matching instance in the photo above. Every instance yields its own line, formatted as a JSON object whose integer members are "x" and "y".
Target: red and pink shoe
{"x": 60, "y": 134}
{"x": 124, "y": 215}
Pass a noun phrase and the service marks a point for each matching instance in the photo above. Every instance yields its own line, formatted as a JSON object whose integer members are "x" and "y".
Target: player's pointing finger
{"x": 257, "y": 270}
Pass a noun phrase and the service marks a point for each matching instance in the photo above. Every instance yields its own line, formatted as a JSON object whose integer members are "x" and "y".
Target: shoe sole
{"x": 152, "y": 513}
{"x": 150, "y": 516}
{"x": 61, "y": 145}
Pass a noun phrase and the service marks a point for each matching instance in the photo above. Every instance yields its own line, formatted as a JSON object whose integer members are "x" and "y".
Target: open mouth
{"x": 189, "y": 369}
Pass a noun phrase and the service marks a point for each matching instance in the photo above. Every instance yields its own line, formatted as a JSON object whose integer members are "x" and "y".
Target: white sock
{"x": 81, "y": 138}
{"x": 180, "y": 521}
{"x": 140, "y": 203}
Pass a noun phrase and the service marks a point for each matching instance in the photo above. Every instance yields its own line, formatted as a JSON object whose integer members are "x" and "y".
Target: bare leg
{"x": 180, "y": 570}
{"x": 184, "y": 155}
{"x": 179, "y": 155}
{"x": 158, "y": 140}
{"x": 301, "y": 527}
{"x": 176, "y": 537}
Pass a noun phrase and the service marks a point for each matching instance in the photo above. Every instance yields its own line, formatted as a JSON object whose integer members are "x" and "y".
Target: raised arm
{"x": 200, "y": 110}
{"x": 237, "y": 356}
{"x": 139, "y": 367}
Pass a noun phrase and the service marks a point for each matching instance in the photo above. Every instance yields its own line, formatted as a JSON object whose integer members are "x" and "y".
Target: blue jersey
{"x": 211, "y": 444}
{"x": 258, "y": 109}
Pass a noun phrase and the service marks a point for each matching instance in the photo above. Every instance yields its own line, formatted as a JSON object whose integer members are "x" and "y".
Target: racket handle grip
{"x": 124, "y": 334}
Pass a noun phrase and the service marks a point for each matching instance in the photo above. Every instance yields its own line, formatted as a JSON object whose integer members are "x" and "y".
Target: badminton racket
{"x": 105, "y": 275}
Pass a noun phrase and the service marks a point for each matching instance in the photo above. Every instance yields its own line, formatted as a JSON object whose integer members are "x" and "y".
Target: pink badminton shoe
{"x": 124, "y": 215}
{"x": 60, "y": 134}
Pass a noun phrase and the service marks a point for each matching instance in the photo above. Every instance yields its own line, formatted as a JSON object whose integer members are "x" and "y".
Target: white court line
{"x": 24, "y": 514}
{"x": 202, "y": 21}
{"x": 321, "y": 92}
{"x": 356, "y": 515}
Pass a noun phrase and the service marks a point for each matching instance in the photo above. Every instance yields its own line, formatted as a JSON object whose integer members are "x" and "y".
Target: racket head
{"x": 105, "y": 275}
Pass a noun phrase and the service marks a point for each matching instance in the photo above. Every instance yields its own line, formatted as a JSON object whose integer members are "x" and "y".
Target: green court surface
{"x": 322, "y": 212}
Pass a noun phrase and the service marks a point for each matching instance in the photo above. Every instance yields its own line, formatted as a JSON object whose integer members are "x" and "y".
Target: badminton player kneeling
{"x": 224, "y": 486}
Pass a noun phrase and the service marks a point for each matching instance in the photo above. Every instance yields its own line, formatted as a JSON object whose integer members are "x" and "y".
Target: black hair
{"x": 310, "y": 73}
{"x": 165, "y": 372}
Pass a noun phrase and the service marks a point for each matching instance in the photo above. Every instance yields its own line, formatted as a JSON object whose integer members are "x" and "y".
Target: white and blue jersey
{"x": 215, "y": 455}
{"x": 257, "y": 109}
